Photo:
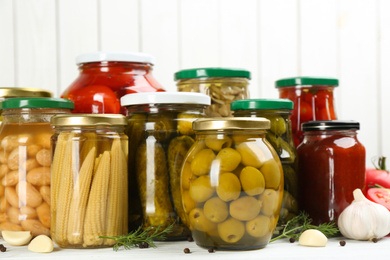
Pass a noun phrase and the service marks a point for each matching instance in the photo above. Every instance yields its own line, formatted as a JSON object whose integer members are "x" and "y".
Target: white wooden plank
{"x": 358, "y": 70}
{"x": 278, "y": 43}
{"x": 119, "y": 25}
{"x": 239, "y": 38}
{"x": 384, "y": 91}
{"x": 36, "y": 44}
{"x": 199, "y": 33}
{"x": 318, "y": 38}
{"x": 78, "y": 33}
{"x": 159, "y": 37}
{"x": 7, "y": 49}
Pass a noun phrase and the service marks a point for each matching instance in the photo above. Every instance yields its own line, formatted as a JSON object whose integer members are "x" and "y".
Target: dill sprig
{"x": 140, "y": 236}
{"x": 297, "y": 225}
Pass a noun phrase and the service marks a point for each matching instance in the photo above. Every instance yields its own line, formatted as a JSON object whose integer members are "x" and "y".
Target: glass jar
{"x": 89, "y": 180}
{"x": 313, "y": 101}
{"x": 331, "y": 166}
{"x": 107, "y": 76}
{"x": 232, "y": 184}
{"x": 160, "y": 127}
{"x": 278, "y": 111}
{"x": 223, "y": 85}
{"x": 25, "y": 162}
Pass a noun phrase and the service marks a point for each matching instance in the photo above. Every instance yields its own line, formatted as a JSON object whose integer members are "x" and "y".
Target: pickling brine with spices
{"x": 89, "y": 180}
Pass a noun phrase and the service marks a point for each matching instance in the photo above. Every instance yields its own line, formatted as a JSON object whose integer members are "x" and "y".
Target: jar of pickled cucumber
{"x": 25, "y": 163}
{"x": 89, "y": 180}
{"x": 313, "y": 101}
{"x": 160, "y": 130}
{"x": 278, "y": 111}
{"x": 223, "y": 85}
{"x": 232, "y": 184}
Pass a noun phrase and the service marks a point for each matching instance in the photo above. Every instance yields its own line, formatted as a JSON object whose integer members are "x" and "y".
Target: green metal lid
{"x": 212, "y": 72}
{"x": 37, "y": 103}
{"x": 262, "y": 104}
{"x": 288, "y": 82}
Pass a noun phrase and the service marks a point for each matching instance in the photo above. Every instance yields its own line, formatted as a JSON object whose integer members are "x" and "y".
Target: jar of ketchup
{"x": 313, "y": 100}
{"x": 107, "y": 76}
{"x": 331, "y": 165}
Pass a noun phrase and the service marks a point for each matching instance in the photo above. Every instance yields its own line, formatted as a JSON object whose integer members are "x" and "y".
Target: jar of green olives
{"x": 160, "y": 134}
{"x": 223, "y": 85}
{"x": 232, "y": 184}
{"x": 278, "y": 111}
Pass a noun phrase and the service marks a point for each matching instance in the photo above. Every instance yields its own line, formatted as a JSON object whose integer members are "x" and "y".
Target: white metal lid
{"x": 165, "y": 98}
{"x": 115, "y": 56}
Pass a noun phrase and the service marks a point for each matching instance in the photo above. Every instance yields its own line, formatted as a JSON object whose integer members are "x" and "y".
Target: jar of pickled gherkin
{"x": 232, "y": 184}
{"x": 89, "y": 180}
{"x": 25, "y": 162}
{"x": 160, "y": 131}
{"x": 278, "y": 111}
{"x": 223, "y": 85}
{"x": 313, "y": 101}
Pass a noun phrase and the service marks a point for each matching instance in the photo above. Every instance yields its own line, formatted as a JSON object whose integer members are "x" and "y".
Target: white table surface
{"x": 281, "y": 249}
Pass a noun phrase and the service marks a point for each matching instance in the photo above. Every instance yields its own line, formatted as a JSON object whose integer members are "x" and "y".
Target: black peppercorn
{"x": 342, "y": 243}
{"x": 292, "y": 240}
{"x": 3, "y": 249}
{"x": 187, "y": 250}
{"x": 211, "y": 250}
{"x": 375, "y": 240}
{"x": 190, "y": 239}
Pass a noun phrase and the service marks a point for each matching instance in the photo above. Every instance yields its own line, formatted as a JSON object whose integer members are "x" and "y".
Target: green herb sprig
{"x": 297, "y": 225}
{"x": 139, "y": 236}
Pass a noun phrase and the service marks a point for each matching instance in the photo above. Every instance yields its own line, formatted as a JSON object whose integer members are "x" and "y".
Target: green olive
{"x": 231, "y": 231}
{"x": 216, "y": 210}
{"x": 270, "y": 202}
{"x": 229, "y": 187}
{"x": 245, "y": 208}
{"x": 218, "y": 142}
{"x": 201, "y": 163}
{"x": 199, "y": 221}
{"x": 228, "y": 159}
{"x": 272, "y": 172}
{"x": 251, "y": 154}
{"x": 252, "y": 181}
{"x": 188, "y": 202}
{"x": 258, "y": 227}
{"x": 186, "y": 176}
{"x": 200, "y": 189}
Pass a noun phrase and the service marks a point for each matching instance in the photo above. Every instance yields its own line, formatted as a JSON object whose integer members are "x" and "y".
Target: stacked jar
{"x": 313, "y": 100}
{"x": 160, "y": 130}
{"x": 278, "y": 111}
{"x": 107, "y": 76}
{"x": 223, "y": 85}
{"x": 232, "y": 184}
{"x": 89, "y": 180}
{"x": 25, "y": 163}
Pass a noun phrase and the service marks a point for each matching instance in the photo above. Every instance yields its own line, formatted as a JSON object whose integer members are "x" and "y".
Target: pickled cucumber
{"x": 177, "y": 150}
{"x": 184, "y": 123}
{"x": 278, "y": 124}
{"x": 153, "y": 183}
{"x": 163, "y": 125}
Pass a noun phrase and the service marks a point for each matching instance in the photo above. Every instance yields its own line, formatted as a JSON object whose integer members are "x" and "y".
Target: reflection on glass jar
{"x": 278, "y": 111}
{"x": 331, "y": 166}
{"x": 160, "y": 130}
{"x": 25, "y": 163}
{"x": 223, "y": 85}
{"x": 313, "y": 100}
{"x": 232, "y": 184}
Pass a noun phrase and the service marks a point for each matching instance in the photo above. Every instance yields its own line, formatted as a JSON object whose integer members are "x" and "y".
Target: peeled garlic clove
{"x": 313, "y": 237}
{"x": 41, "y": 244}
{"x": 17, "y": 238}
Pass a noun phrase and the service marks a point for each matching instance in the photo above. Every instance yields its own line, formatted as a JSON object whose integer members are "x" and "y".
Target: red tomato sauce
{"x": 331, "y": 166}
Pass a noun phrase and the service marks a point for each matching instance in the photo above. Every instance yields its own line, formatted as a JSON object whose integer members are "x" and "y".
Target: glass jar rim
{"x": 231, "y": 123}
{"x": 115, "y": 56}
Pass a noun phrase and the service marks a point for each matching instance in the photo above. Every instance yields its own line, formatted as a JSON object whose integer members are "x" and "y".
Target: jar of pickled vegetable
{"x": 278, "y": 111}
{"x": 313, "y": 100}
{"x": 331, "y": 166}
{"x": 107, "y": 76}
{"x": 232, "y": 184}
{"x": 25, "y": 162}
{"x": 223, "y": 85}
{"x": 160, "y": 130}
{"x": 89, "y": 180}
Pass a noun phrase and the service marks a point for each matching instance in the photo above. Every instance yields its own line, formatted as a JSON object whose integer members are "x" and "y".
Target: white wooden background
{"x": 346, "y": 39}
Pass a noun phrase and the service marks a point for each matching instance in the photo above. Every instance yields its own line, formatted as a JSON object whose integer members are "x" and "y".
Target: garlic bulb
{"x": 364, "y": 219}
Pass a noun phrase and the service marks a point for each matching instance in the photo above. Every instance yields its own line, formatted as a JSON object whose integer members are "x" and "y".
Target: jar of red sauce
{"x": 107, "y": 76}
{"x": 331, "y": 165}
{"x": 313, "y": 100}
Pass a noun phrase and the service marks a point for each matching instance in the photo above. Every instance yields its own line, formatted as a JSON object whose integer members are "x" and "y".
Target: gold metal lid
{"x": 24, "y": 92}
{"x": 231, "y": 123}
{"x": 88, "y": 120}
